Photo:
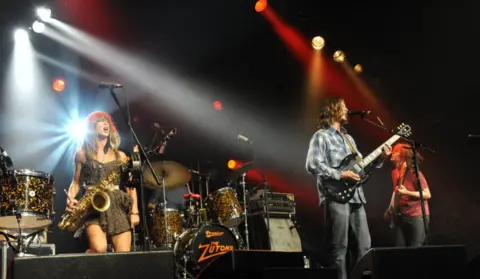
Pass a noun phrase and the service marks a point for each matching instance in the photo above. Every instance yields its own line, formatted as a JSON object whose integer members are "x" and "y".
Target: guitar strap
{"x": 352, "y": 148}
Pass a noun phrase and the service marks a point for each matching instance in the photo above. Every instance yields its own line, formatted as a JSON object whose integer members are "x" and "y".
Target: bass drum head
{"x": 195, "y": 248}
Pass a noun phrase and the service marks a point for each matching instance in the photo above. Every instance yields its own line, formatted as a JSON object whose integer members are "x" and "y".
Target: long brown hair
{"x": 330, "y": 110}
{"x": 89, "y": 143}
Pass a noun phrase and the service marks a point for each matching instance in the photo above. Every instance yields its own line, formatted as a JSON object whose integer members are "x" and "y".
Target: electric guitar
{"x": 343, "y": 191}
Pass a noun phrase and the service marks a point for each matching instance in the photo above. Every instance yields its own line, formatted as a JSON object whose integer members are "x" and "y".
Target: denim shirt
{"x": 327, "y": 149}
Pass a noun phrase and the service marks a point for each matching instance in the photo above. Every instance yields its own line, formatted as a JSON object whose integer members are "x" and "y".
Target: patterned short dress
{"x": 116, "y": 219}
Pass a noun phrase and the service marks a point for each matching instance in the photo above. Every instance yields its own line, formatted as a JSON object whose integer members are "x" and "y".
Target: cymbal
{"x": 237, "y": 173}
{"x": 176, "y": 175}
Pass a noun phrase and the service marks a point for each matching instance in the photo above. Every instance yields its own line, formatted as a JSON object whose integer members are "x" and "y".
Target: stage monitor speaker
{"x": 473, "y": 268}
{"x": 412, "y": 263}
{"x": 133, "y": 265}
{"x": 254, "y": 264}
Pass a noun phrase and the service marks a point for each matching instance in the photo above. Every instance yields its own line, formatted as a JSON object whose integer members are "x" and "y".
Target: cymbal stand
{"x": 207, "y": 180}
{"x": 245, "y": 216}
{"x": 164, "y": 206}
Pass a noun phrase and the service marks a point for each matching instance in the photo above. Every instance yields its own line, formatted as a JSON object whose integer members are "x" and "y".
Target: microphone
{"x": 109, "y": 85}
{"x": 244, "y": 139}
{"x": 360, "y": 113}
{"x": 470, "y": 136}
{"x": 161, "y": 148}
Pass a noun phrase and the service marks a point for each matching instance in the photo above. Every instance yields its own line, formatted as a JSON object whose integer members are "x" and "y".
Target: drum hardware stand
{"x": 245, "y": 214}
{"x": 21, "y": 249}
{"x": 267, "y": 204}
{"x": 164, "y": 206}
{"x": 200, "y": 190}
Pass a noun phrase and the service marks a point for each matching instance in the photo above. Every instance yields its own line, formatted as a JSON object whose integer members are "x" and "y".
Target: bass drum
{"x": 195, "y": 248}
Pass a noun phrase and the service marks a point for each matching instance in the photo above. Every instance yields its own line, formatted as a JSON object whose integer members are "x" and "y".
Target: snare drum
{"x": 174, "y": 225}
{"x": 197, "y": 247}
{"x": 28, "y": 194}
{"x": 224, "y": 206}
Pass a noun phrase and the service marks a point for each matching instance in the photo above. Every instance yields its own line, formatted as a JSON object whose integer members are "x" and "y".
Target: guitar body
{"x": 342, "y": 191}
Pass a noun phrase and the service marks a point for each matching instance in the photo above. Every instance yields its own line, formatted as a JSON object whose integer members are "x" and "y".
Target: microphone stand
{"x": 420, "y": 190}
{"x": 147, "y": 246}
{"x": 414, "y": 146}
{"x": 245, "y": 199}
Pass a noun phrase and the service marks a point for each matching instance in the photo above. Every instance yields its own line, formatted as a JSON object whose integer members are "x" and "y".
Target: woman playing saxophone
{"x": 98, "y": 157}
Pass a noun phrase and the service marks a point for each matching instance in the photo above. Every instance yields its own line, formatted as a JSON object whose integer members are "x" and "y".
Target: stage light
{"x": 58, "y": 85}
{"x": 38, "y": 26}
{"x": 358, "y": 68}
{"x": 21, "y": 36}
{"x": 44, "y": 14}
{"x": 318, "y": 43}
{"x": 339, "y": 56}
{"x": 217, "y": 105}
{"x": 77, "y": 129}
{"x": 231, "y": 164}
{"x": 260, "y": 6}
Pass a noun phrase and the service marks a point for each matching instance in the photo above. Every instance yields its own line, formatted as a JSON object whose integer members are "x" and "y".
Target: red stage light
{"x": 58, "y": 85}
{"x": 217, "y": 105}
{"x": 260, "y": 6}
{"x": 231, "y": 164}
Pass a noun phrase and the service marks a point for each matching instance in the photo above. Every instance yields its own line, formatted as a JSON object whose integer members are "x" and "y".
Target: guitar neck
{"x": 377, "y": 152}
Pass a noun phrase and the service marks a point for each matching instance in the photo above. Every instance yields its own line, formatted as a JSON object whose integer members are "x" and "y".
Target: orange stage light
{"x": 231, "y": 164}
{"x": 58, "y": 85}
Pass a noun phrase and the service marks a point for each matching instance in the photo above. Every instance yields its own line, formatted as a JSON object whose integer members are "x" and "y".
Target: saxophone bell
{"x": 101, "y": 201}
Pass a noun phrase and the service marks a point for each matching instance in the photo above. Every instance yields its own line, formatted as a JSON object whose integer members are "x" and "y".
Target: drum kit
{"x": 207, "y": 228}
{"x": 26, "y": 204}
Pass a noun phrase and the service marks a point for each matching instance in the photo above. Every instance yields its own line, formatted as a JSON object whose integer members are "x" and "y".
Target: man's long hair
{"x": 89, "y": 144}
{"x": 330, "y": 110}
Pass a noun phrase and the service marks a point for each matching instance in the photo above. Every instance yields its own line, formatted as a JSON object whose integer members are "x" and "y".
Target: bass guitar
{"x": 393, "y": 208}
{"x": 343, "y": 191}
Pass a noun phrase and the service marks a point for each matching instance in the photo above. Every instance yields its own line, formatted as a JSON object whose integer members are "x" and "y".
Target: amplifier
{"x": 277, "y": 203}
{"x": 273, "y": 234}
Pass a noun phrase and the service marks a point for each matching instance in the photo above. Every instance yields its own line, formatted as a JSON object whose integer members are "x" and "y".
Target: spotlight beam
{"x": 170, "y": 91}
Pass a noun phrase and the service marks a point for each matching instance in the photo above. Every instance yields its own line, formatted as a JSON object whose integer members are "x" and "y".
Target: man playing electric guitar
{"x": 405, "y": 211}
{"x": 328, "y": 148}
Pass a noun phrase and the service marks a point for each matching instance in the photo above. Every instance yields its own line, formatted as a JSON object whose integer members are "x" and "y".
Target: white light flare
{"x": 77, "y": 130}
{"x": 44, "y": 14}
{"x": 38, "y": 26}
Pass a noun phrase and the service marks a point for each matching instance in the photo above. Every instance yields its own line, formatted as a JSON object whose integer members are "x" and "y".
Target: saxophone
{"x": 96, "y": 198}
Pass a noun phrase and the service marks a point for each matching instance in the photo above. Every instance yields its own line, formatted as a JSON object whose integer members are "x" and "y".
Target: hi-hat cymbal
{"x": 237, "y": 173}
{"x": 176, "y": 175}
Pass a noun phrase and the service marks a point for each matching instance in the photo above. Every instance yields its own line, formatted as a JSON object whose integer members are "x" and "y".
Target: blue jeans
{"x": 342, "y": 221}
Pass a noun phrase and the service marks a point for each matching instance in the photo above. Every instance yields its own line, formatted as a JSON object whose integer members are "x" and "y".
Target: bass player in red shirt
{"x": 404, "y": 212}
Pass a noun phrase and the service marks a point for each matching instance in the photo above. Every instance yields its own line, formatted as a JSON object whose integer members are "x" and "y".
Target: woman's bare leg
{"x": 122, "y": 242}
{"x": 97, "y": 239}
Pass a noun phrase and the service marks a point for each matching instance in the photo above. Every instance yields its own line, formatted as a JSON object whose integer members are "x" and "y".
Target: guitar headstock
{"x": 404, "y": 130}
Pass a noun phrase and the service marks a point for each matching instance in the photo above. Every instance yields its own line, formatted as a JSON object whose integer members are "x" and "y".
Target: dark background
{"x": 420, "y": 60}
